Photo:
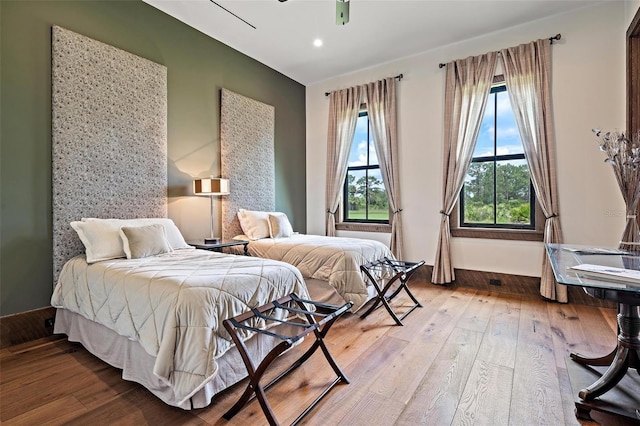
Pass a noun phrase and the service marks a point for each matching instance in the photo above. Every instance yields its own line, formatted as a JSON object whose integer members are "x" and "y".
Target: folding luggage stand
{"x": 319, "y": 328}
{"x": 389, "y": 271}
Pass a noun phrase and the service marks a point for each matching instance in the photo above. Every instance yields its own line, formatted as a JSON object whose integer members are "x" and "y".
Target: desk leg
{"x": 626, "y": 354}
{"x": 610, "y": 378}
{"x": 600, "y": 361}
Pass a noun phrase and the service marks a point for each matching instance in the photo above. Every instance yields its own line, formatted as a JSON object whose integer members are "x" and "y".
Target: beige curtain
{"x": 381, "y": 107}
{"x": 527, "y": 71}
{"x": 468, "y": 83}
{"x": 344, "y": 106}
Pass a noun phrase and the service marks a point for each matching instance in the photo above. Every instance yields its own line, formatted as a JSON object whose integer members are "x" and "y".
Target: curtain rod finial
{"x": 441, "y": 65}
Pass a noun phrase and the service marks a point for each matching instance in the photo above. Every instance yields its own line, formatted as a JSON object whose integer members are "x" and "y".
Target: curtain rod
{"x": 399, "y": 77}
{"x": 551, "y": 39}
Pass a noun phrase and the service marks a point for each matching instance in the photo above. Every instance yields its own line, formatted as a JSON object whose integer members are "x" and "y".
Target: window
{"x": 497, "y": 191}
{"x": 364, "y": 192}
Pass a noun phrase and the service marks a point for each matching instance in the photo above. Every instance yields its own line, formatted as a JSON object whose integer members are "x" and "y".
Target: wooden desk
{"x": 612, "y": 380}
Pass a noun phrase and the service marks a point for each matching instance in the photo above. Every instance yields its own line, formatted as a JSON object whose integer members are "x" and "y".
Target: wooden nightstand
{"x": 219, "y": 246}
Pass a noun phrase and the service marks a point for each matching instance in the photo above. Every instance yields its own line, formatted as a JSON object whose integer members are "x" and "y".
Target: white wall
{"x": 588, "y": 91}
{"x": 631, "y": 8}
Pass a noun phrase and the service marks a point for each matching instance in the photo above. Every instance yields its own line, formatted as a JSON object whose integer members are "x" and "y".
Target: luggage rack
{"x": 320, "y": 328}
{"x": 383, "y": 273}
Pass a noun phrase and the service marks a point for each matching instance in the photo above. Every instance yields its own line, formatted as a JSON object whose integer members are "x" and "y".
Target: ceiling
{"x": 379, "y": 31}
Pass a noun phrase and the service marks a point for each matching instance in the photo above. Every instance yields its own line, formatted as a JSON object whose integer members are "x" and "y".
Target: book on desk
{"x": 608, "y": 273}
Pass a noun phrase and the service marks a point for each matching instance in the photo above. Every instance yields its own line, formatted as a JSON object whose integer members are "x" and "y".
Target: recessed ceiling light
{"x": 317, "y": 42}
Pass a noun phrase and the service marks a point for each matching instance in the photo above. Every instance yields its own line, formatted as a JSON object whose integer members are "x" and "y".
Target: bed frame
{"x": 110, "y": 161}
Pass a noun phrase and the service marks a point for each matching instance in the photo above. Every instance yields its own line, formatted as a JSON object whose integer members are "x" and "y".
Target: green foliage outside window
{"x": 359, "y": 190}
{"x": 512, "y": 196}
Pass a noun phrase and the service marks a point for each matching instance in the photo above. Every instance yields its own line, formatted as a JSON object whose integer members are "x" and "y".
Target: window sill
{"x": 363, "y": 227}
{"x": 499, "y": 234}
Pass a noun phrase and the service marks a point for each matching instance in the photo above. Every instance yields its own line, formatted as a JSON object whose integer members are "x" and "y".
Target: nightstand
{"x": 219, "y": 246}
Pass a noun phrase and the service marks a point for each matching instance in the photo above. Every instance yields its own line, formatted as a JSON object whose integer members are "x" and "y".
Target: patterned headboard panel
{"x": 247, "y": 158}
{"x": 109, "y": 131}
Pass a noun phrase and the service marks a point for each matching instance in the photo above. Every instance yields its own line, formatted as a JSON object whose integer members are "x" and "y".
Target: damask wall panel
{"x": 109, "y": 137}
{"x": 247, "y": 157}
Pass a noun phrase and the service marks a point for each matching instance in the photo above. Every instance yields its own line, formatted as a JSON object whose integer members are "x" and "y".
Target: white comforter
{"x": 174, "y": 304}
{"x": 333, "y": 259}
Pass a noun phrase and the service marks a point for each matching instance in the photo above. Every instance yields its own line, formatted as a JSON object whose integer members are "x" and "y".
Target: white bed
{"x": 329, "y": 265}
{"x": 159, "y": 317}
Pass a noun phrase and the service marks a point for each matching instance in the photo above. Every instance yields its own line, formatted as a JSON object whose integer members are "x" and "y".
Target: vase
{"x": 630, "y": 240}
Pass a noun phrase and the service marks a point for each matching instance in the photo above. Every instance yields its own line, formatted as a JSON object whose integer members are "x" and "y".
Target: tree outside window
{"x": 364, "y": 192}
{"x": 497, "y": 191}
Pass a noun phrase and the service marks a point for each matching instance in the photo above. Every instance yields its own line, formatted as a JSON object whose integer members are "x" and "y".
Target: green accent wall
{"x": 197, "y": 68}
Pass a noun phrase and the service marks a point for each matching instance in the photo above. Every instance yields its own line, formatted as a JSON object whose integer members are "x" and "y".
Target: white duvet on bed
{"x": 174, "y": 304}
{"x": 333, "y": 259}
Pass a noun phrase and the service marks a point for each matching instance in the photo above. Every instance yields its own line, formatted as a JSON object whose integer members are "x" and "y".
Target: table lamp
{"x": 211, "y": 187}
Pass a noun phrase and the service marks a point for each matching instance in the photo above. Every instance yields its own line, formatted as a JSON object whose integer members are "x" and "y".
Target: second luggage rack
{"x": 327, "y": 317}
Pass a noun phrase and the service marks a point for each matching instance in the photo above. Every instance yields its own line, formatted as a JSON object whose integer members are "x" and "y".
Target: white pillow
{"x": 101, "y": 239}
{"x": 144, "y": 241}
{"x": 175, "y": 238}
{"x": 279, "y": 225}
{"x": 254, "y": 224}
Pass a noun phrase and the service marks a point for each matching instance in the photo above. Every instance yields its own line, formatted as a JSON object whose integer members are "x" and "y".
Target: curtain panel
{"x": 527, "y": 71}
{"x": 468, "y": 83}
{"x": 382, "y": 110}
{"x": 344, "y": 106}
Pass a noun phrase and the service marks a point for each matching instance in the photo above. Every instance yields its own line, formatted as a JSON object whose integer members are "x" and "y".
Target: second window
{"x": 497, "y": 191}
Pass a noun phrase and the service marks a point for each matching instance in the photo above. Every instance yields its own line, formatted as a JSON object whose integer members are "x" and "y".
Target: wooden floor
{"x": 466, "y": 357}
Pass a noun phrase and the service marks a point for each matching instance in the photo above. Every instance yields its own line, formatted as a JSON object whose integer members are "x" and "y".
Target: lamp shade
{"x": 211, "y": 186}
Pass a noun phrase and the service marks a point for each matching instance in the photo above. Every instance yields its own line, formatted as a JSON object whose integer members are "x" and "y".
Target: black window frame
{"x": 366, "y": 168}
{"x": 495, "y": 159}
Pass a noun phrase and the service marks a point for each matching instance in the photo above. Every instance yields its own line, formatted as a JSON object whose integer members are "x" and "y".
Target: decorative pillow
{"x": 144, "y": 241}
{"x": 254, "y": 224}
{"x": 279, "y": 225}
{"x": 175, "y": 238}
{"x": 101, "y": 239}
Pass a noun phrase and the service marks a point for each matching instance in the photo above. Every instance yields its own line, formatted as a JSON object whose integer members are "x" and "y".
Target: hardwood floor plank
{"x": 56, "y": 412}
{"x": 45, "y": 356}
{"x": 361, "y": 374}
{"x": 437, "y": 397}
{"x": 478, "y": 312}
{"x": 486, "y": 396}
{"x": 31, "y": 392}
{"x": 137, "y": 407}
{"x": 566, "y": 394}
{"x": 401, "y": 379}
{"x": 601, "y": 328}
{"x": 610, "y": 316}
{"x": 535, "y": 382}
{"x": 567, "y": 331}
{"x": 501, "y": 338}
{"x": 432, "y": 298}
{"x": 351, "y": 335}
{"x": 372, "y": 409}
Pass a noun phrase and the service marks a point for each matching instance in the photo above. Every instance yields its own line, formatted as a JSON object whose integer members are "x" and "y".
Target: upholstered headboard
{"x": 247, "y": 157}
{"x": 109, "y": 137}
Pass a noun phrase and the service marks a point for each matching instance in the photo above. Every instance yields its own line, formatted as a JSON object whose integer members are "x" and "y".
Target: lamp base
{"x": 212, "y": 240}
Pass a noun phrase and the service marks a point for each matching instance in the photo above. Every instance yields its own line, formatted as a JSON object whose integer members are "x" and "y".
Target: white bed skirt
{"x": 137, "y": 365}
